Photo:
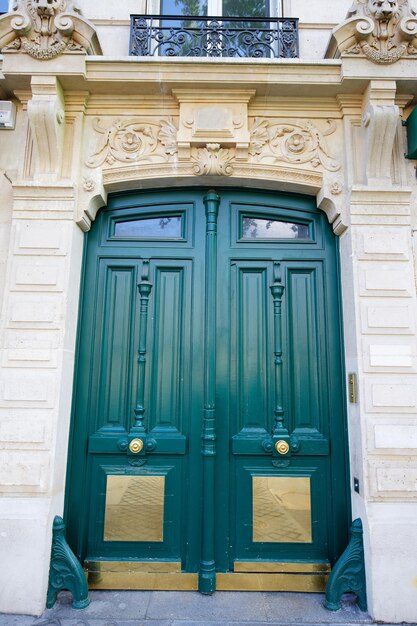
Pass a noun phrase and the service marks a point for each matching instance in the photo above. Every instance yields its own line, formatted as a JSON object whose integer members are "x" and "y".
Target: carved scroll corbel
{"x": 46, "y": 112}
{"x": 380, "y": 123}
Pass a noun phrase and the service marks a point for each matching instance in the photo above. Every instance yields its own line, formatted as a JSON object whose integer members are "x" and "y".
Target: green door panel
{"x": 195, "y": 305}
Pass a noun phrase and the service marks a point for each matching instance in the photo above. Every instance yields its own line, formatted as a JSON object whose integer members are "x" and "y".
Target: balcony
{"x": 225, "y": 37}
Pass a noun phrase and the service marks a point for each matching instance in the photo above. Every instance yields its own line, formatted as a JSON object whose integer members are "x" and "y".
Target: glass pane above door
{"x": 163, "y": 227}
{"x": 263, "y": 228}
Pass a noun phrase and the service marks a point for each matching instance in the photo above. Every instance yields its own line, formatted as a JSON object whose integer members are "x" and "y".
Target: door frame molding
{"x": 266, "y": 177}
{"x": 254, "y": 185}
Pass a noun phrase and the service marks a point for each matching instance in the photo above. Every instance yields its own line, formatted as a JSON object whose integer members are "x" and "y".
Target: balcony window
{"x": 215, "y": 28}
{"x": 231, "y": 8}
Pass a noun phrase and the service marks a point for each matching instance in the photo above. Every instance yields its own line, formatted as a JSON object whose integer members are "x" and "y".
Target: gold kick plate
{"x": 310, "y": 583}
{"x": 137, "y": 575}
{"x": 288, "y": 567}
{"x": 167, "y": 576}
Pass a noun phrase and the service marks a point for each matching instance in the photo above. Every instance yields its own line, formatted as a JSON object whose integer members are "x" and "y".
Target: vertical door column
{"x": 207, "y": 573}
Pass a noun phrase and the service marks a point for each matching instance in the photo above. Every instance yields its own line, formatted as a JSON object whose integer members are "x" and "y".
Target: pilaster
{"x": 37, "y": 330}
{"x": 380, "y": 333}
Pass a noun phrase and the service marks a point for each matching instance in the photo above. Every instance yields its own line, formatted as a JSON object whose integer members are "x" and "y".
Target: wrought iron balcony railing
{"x": 187, "y": 36}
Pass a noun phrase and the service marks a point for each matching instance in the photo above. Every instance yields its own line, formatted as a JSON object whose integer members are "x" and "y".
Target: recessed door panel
{"x": 114, "y": 334}
{"x": 250, "y": 349}
{"x": 170, "y": 372}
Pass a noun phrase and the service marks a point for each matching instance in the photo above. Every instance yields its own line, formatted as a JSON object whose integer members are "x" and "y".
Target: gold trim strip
{"x": 143, "y": 581}
{"x": 132, "y": 566}
{"x": 280, "y": 568}
{"x": 312, "y": 583}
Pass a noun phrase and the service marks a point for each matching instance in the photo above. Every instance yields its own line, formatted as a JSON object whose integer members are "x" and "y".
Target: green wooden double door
{"x": 208, "y": 446}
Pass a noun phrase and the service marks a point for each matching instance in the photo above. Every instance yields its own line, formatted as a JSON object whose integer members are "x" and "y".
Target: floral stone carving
{"x": 132, "y": 141}
{"x": 44, "y": 29}
{"x": 383, "y": 31}
{"x": 213, "y": 159}
{"x": 295, "y": 143}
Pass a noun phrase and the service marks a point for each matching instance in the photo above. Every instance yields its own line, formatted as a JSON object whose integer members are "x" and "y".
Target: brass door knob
{"x": 282, "y": 447}
{"x": 135, "y": 446}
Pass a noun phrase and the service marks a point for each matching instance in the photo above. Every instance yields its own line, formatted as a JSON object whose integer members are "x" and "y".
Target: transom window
{"x": 253, "y": 227}
{"x": 161, "y": 227}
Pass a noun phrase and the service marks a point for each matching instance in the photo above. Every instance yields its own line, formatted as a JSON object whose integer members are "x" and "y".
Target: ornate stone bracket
{"x": 380, "y": 122}
{"x": 46, "y": 113}
{"x": 65, "y": 571}
{"x": 348, "y": 575}
{"x": 44, "y": 29}
{"x": 381, "y": 31}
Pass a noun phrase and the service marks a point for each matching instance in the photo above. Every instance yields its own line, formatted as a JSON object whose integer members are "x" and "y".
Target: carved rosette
{"x": 383, "y": 31}
{"x": 296, "y": 143}
{"x": 44, "y": 29}
{"x": 132, "y": 141}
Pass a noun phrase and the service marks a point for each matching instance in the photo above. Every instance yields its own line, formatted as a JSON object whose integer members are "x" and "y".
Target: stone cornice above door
{"x": 213, "y": 140}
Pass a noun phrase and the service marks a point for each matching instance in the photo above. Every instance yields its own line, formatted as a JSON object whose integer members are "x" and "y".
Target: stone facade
{"x": 91, "y": 124}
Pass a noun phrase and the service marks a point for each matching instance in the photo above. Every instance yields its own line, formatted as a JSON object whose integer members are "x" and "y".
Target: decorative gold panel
{"x": 134, "y": 508}
{"x": 281, "y": 509}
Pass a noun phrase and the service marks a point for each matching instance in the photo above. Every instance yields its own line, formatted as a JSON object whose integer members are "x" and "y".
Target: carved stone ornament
{"x": 296, "y": 143}
{"x": 383, "y": 31}
{"x": 336, "y": 188}
{"x": 214, "y": 160}
{"x": 133, "y": 141}
{"x": 149, "y": 144}
{"x": 44, "y": 29}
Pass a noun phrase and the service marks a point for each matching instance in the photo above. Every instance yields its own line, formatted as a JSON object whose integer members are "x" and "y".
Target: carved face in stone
{"x": 46, "y": 7}
{"x": 383, "y": 9}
